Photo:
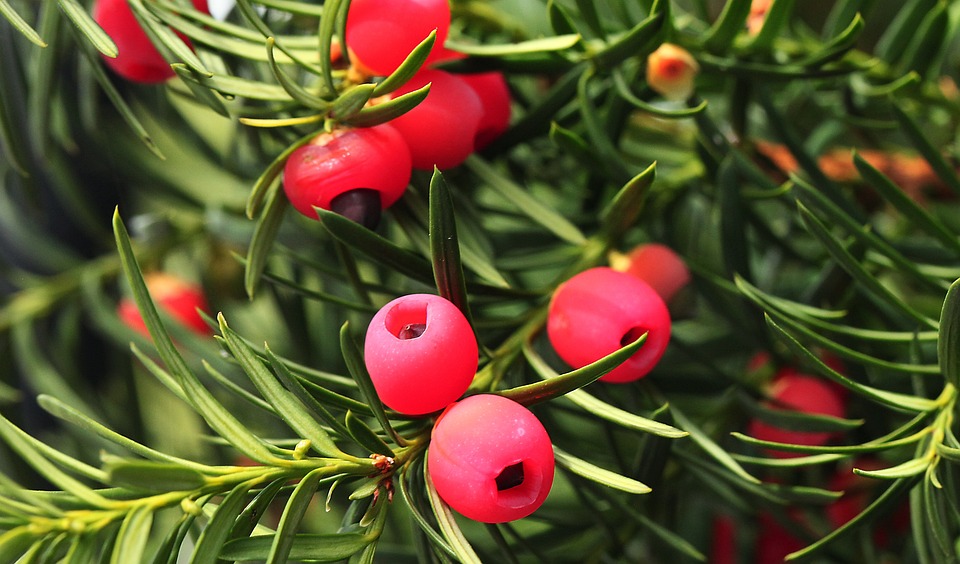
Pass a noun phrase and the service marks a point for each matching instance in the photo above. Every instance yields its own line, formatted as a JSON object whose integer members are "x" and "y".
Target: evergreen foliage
{"x": 810, "y": 184}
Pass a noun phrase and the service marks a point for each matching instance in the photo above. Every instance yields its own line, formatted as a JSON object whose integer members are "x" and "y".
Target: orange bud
{"x": 758, "y": 15}
{"x": 671, "y": 71}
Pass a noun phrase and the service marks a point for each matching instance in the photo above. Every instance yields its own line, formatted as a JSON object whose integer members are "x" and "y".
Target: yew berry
{"x": 421, "y": 353}
{"x": 440, "y": 131}
{"x": 858, "y": 492}
{"x": 490, "y": 459}
{"x": 671, "y": 71}
{"x": 774, "y": 541}
{"x": 381, "y": 33}
{"x": 796, "y": 391}
{"x": 137, "y": 60}
{"x": 660, "y": 267}
{"x": 600, "y": 310}
{"x": 723, "y": 540}
{"x": 354, "y": 172}
{"x": 494, "y": 94}
{"x": 178, "y": 298}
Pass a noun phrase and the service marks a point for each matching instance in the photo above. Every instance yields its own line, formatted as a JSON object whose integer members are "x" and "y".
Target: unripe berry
{"x": 176, "y": 297}
{"x": 138, "y": 60}
{"x": 758, "y": 15}
{"x": 795, "y": 391}
{"x": 600, "y": 310}
{"x": 490, "y": 459}
{"x": 441, "y": 129}
{"x": 660, "y": 267}
{"x": 341, "y": 164}
{"x": 421, "y": 353}
{"x": 381, "y": 33}
{"x": 671, "y": 71}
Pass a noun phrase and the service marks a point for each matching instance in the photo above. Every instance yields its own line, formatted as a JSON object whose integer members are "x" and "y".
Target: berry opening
{"x": 632, "y": 335}
{"x": 518, "y": 485}
{"x": 407, "y": 320}
{"x": 510, "y": 477}
{"x": 412, "y": 330}
{"x": 360, "y": 205}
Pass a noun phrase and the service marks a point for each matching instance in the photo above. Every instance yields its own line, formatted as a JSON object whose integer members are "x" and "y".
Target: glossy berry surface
{"x": 671, "y": 72}
{"x": 374, "y": 158}
{"x": 178, "y": 298}
{"x": 660, "y": 267}
{"x": 494, "y": 94}
{"x": 495, "y": 100}
{"x": 421, "y": 353}
{"x": 796, "y": 391}
{"x": 381, "y": 33}
{"x": 490, "y": 459}
{"x": 441, "y": 129}
{"x": 600, "y": 310}
{"x": 137, "y": 59}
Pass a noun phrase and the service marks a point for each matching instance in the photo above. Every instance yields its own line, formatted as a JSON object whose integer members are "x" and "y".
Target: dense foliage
{"x": 809, "y": 182}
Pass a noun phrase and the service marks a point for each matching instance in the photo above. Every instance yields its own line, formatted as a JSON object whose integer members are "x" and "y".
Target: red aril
{"x": 138, "y": 60}
{"x": 796, "y": 391}
{"x": 490, "y": 459}
{"x": 660, "y": 267}
{"x": 354, "y": 172}
{"x": 600, "y": 310}
{"x": 178, "y": 298}
{"x": 421, "y": 353}
{"x": 381, "y": 33}
{"x": 440, "y": 131}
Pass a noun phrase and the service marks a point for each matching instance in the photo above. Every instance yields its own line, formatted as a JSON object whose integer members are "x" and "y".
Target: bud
{"x": 758, "y": 15}
{"x": 671, "y": 71}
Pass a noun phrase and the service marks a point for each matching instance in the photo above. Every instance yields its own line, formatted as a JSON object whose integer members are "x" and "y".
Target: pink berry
{"x": 490, "y": 459}
{"x": 421, "y": 353}
{"x": 660, "y": 267}
{"x": 441, "y": 129}
{"x": 798, "y": 392}
{"x": 381, "y": 33}
{"x": 372, "y": 162}
{"x": 137, "y": 59}
{"x": 178, "y": 298}
{"x": 600, "y": 310}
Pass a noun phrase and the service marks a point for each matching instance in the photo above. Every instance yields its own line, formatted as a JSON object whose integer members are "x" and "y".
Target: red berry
{"x": 490, "y": 459}
{"x": 374, "y": 158}
{"x": 441, "y": 129}
{"x": 381, "y": 33}
{"x": 494, "y": 96}
{"x": 600, "y": 310}
{"x": 660, "y": 267}
{"x": 137, "y": 59}
{"x": 774, "y": 541}
{"x": 799, "y": 392}
{"x": 421, "y": 353}
{"x": 723, "y": 545}
{"x": 176, "y": 297}
{"x": 858, "y": 492}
